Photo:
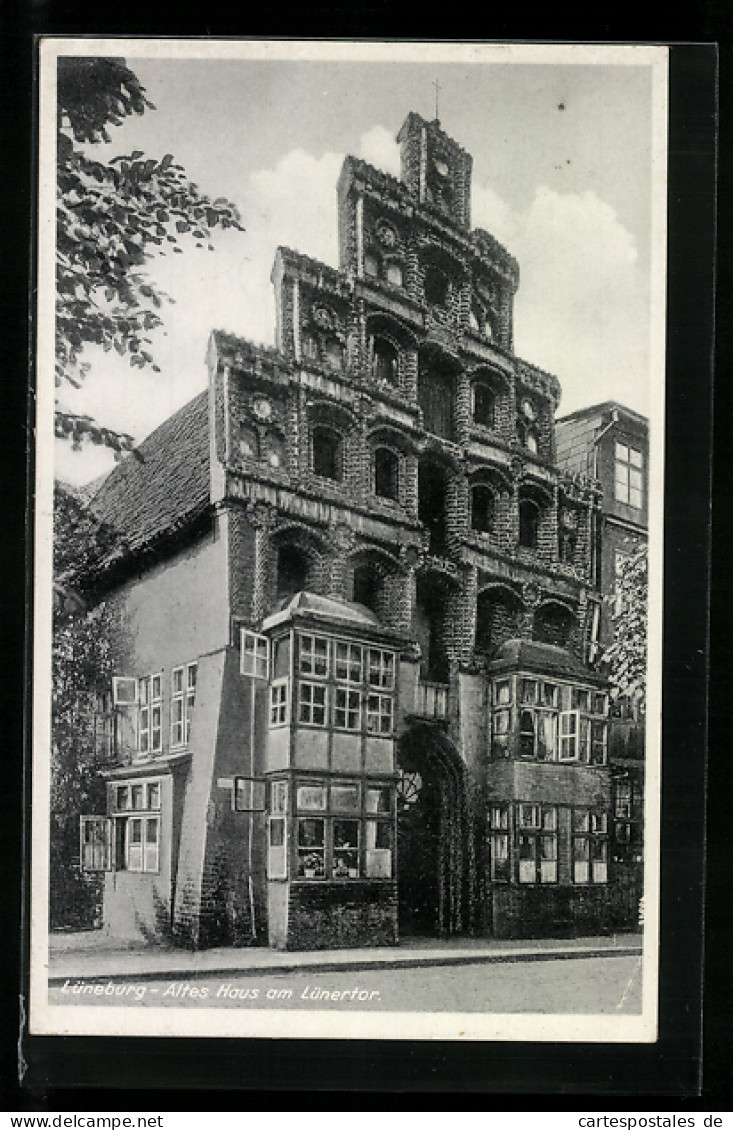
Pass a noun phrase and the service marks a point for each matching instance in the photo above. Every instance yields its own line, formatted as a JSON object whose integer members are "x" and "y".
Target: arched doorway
{"x": 433, "y": 859}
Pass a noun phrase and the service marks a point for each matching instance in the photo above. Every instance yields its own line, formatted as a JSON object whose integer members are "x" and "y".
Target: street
{"x": 595, "y": 985}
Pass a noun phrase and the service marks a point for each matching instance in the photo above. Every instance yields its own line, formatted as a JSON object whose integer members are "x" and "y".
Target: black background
{"x": 87, "y": 1074}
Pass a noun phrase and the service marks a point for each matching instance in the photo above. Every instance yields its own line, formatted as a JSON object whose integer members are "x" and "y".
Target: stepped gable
{"x": 164, "y": 484}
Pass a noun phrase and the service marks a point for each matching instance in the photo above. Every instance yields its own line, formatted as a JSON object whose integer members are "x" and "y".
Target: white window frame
{"x": 541, "y": 826}
{"x": 571, "y": 738}
{"x": 279, "y": 703}
{"x": 124, "y": 691}
{"x": 384, "y": 667}
{"x": 183, "y": 696}
{"x": 139, "y": 861}
{"x": 380, "y": 714}
{"x": 254, "y": 654}
{"x": 307, "y": 653}
{"x": 347, "y": 709}
{"x": 349, "y": 662}
{"x": 626, "y": 466}
{"x": 309, "y": 703}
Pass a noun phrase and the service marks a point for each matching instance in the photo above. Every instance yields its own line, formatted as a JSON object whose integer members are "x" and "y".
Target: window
{"x": 95, "y": 843}
{"x": 342, "y": 842}
{"x": 590, "y": 846}
{"x": 309, "y": 346}
{"x": 394, "y": 274}
{"x": 483, "y": 504}
{"x": 327, "y": 453}
{"x": 254, "y": 655}
{"x": 334, "y": 353}
{"x": 105, "y": 728}
{"x": 628, "y": 475}
{"x": 385, "y": 361}
{"x": 248, "y": 443}
{"x": 137, "y": 830}
{"x": 500, "y": 862}
{"x": 500, "y": 733}
{"x": 292, "y": 571}
{"x": 371, "y": 266}
{"x": 436, "y": 286}
{"x": 312, "y": 704}
{"x": 526, "y": 734}
{"x": 312, "y": 847}
{"x": 348, "y": 662}
{"x": 386, "y": 474}
{"x": 149, "y": 714}
{"x": 379, "y": 714}
{"x": 277, "y": 855}
{"x": 503, "y": 692}
{"x": 314, "y": 656}
{"x": 381, "y": 668}
{"x": 529, "y": 523}
{"x": 279, "y": 703}
{"x": 347, "y": 710}
{"x": 183, "y": 694}
{"x": 345, "y": 849}
{"x": 569, "y": 735}
{"x": 537, "y": 843}
{"x": 484, "y": 403}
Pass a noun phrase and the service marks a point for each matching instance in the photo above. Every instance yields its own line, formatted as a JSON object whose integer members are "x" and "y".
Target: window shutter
{"x": 249, "y": 794}
{"x": 95, "y": 843}
{"x": 124, "y": 691}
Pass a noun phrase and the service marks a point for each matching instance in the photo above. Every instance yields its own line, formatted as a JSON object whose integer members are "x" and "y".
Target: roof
{"x": 163, "y": 483}
{"x": 543, "y": 657}
{"x": 324, "y": 607}
{"x": 603, "y": 407}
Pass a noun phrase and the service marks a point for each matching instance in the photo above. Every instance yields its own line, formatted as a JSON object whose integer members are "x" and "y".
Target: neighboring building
{"x": 611, "y": 443}
{"x": 356, "y": 605}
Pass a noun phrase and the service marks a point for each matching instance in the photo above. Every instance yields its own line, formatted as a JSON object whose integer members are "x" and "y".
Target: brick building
{"x": 611, "y": 443}
{"x": 355, "y": 600}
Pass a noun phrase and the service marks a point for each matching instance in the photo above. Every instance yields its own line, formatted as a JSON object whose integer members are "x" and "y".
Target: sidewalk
{"x": 91, "y": 955}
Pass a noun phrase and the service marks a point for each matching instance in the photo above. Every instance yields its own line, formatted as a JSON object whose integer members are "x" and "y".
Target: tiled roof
{"x": 164, "y": 483}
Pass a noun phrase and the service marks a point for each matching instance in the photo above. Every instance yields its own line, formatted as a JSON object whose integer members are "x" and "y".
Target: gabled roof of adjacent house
{"x": 163, "y": 484}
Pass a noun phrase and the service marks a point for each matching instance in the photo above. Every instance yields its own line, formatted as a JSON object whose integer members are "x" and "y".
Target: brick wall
{"x": 342, "y": 915}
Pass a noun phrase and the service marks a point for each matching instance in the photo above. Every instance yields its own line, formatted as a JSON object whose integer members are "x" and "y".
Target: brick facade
{"x": 392, "y": 451}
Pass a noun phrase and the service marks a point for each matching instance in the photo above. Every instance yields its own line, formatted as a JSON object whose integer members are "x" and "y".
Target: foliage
{"x": 626, "y": 656}
{"x": 112, "y": 218}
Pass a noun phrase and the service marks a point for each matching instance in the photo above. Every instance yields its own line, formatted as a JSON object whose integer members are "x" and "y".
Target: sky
{"x": 562, "y": 176}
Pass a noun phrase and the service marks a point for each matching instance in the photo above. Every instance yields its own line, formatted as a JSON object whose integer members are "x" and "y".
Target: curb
{"x": 330, "y": 966}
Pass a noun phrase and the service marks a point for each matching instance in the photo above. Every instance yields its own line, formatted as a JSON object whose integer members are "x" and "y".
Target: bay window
{"x": 344, "y": 830}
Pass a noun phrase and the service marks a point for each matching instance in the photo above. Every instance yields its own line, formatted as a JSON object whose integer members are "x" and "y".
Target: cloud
{"x": 379, "y": 148}
{"x": 582, "y": 309}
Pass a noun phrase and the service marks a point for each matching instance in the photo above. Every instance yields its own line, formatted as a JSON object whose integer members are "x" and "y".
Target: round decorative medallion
{"x": 262, "y": 408}
{"x": 441, "y": 167}
{"x": 323, "y": 317}
{"x": 386, "y": 233}
{"x": 273, "y": 459}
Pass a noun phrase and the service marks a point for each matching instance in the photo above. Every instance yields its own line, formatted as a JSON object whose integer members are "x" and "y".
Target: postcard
{"x": 349, "y": 519}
